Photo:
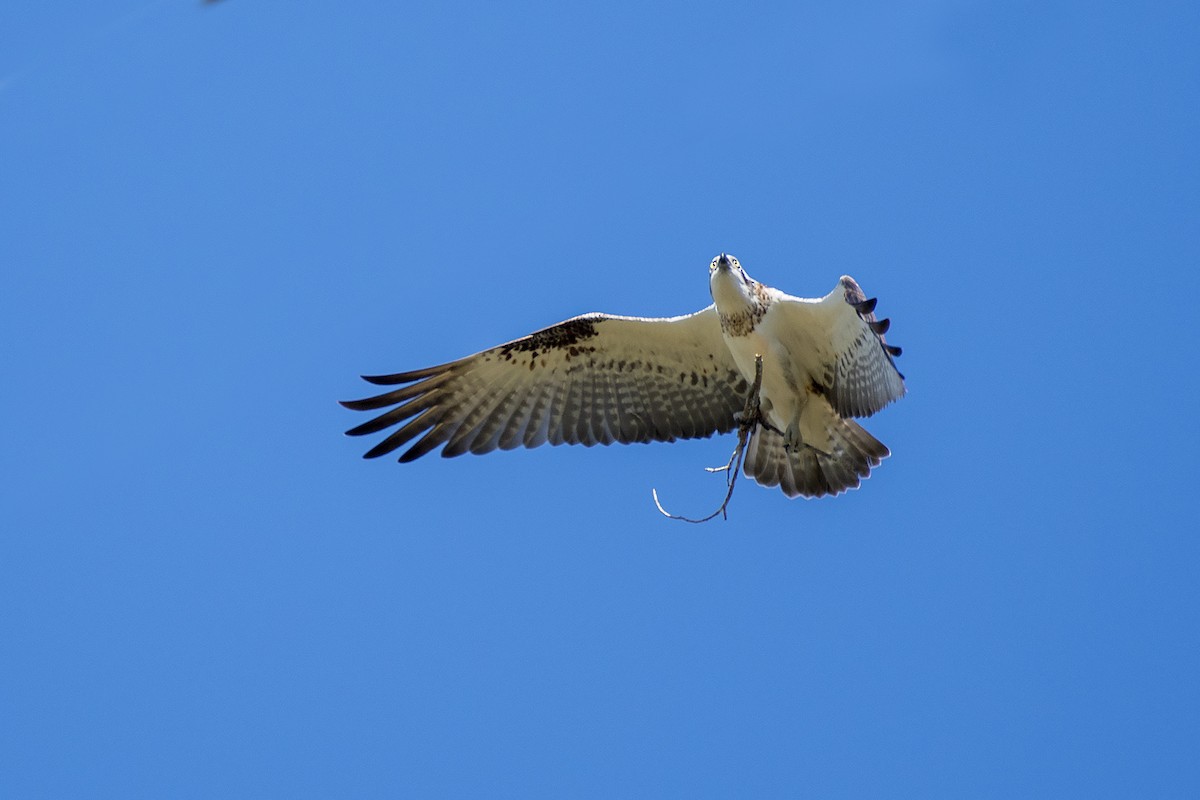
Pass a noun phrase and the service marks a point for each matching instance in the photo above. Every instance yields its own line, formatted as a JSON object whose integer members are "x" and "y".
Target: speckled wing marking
{"x": 859, "y": 373}
{"x": 593, "y": 379}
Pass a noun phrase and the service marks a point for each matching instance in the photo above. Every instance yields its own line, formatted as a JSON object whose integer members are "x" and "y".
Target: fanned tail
{"x": 805, "y": 471}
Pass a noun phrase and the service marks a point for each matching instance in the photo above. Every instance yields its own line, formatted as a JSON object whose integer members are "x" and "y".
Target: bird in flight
{"x": 600, "y": 378}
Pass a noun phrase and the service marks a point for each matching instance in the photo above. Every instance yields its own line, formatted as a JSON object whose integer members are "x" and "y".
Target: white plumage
{"x": 599, "y": 379}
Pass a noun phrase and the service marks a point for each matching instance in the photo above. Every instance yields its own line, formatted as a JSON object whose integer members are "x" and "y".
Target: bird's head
{"x": 731, "y": 287}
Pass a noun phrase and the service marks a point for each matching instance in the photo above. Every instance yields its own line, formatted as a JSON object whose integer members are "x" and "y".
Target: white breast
{"x": 784, "y": 377}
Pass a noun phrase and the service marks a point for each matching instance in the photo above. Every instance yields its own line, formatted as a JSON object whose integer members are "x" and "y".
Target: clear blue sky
{"x": 215, "y": 217}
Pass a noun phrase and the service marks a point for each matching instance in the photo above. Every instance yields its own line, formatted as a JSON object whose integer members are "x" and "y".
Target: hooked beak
{"x": 723, "y": 262}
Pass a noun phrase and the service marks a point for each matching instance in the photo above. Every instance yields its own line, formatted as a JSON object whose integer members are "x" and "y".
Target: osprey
{"x": 599, "y": 379}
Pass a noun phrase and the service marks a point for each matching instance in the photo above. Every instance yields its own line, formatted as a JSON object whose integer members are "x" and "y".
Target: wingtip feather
{"x": 866, "y": 306}
{"x": 378, "y": 450}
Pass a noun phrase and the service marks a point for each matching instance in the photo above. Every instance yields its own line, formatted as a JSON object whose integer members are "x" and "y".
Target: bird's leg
{"x": 766, "y": 423}
{"x": 751, "y": 414}
{"x": 792, "y": 440}
{"x": 747, "y": 418}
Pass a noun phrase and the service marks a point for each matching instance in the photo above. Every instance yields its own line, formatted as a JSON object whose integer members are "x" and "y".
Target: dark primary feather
{"x": 864, "y": 307}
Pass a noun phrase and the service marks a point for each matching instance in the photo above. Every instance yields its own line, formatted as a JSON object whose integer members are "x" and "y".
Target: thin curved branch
{"x": 751, "y": 418}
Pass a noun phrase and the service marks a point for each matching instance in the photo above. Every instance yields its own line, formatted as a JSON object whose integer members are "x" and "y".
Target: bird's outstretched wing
{"x": 593, "y": 379}
{"x": 848, "y": 343}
